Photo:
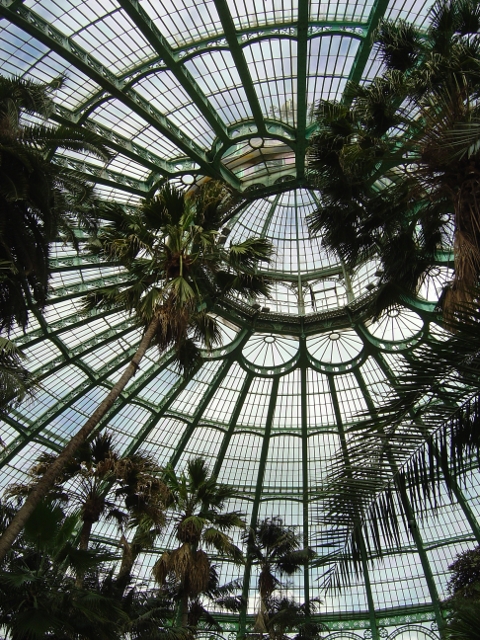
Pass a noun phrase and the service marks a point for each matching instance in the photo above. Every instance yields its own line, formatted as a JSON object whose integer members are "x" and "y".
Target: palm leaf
{"x": 399, "y": 44}
{"x": 222, "y": 543}
{"x": 246, "y": 255}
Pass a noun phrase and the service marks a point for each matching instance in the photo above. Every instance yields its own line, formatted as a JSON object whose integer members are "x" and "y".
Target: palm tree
{"x": 94, "y": 481}
{"x": 199, "y": 502}
{"x": 174, "y": 254}
{"x": 146, "y": 497}
{"x": 82, "y": 484}
{"x": 276, "y": 548}
{"x": 38, "y": 200}
{"x": 287, "y": 617}
{"x": 176, "y": 270}
{"x": 225, "y": 597}
{"x": 399, "y": 171}
{"x": 403, "y": 152}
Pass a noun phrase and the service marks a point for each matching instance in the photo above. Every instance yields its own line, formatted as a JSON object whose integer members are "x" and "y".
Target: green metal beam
{"x": 275, "y": 129}
{"x": 303, "y": 363}
{"x": 94, "y": 173}
{"x": 191, "y": 426}
{"x": 346, "y": 457}
{"x": 156, "y": 40}
{"x": 76, "y": 289}
{"x": 44, "y": 32}
{"x": 233, "y": 422}
{"x": 172, "y": 396}
{"x": 302, "y": 48}
{"x": 462, "y": 501}
{"x": 67, "y": 401}
{"x": 119, "y": 143}
{"x": 268, "y": 220}
{"x": 70, "y": 323}
{"x": 451, "y": 480}
{"x": 79, "y": 262}
{"x": 288, "y": 29}
{"x": 75, "y": 355}
{"x": 256, "y": 502}
{"x": 432, "y": 587}
{"x": 376, "y": 14}
{"x": 240, "y": 63}
{"x": 409, "y": 513}
{"x": 301, "y": 303}
{"x": 269, "y": 187}
{"x": 161, "y": 411}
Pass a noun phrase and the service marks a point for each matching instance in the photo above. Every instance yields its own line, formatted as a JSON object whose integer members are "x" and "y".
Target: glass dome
{"x": 221, "y": 89}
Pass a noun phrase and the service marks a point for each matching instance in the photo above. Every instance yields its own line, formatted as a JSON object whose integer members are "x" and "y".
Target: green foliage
{"x": 464, "y": 582}
{"x": 287, "y": 619}
{"x": 463, "y": 621}
{"x": 99, "y": 483}
{"x": 16, "y": 382}
{"x": 38, "y": 594}
{"x": 150, "y": 616}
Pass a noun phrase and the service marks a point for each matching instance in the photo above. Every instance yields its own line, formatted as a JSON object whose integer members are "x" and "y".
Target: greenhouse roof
{"x": 185, "y": 91}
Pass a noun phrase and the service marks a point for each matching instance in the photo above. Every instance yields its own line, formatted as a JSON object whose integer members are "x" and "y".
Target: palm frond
{"x": 16, "y": 382}
{"x": 246, "y": 255}
{"x": 399, "y": 44}
{"x": 223, "y": 544}
{"x": 245, "y": 284}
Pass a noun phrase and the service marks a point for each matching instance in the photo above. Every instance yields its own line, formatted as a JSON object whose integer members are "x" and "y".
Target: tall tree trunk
{"x": 125, "y": 571}
{"x": 83, "y": 544}
{"x": 85, "y": 534}
{"x": 46, "y": 482}
{"x": 182, "y": 618}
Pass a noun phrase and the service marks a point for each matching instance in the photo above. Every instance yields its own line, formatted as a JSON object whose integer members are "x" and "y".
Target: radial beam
{"x": 156, "y": 40}
{"x": 81, "y": 288}
{"x": 407, "y": 507}
{"x": 66, "y": 402}
{"x": 239, "y": 404}
{"x": 114, "y": 140}
{"x": 169, "y": 399}
{"x": 174, "y": 392}
{"x": 256, "y": 503}
{"x": 302, "y": 48}
{"x": 221, "y": 373}
{"x": 376, "y": 14}
{"x": 69, "y": 323}
{"x": 93, "y": 173}
{"x": 44, "y": 32}
{"x": 305, "y": 459}
{"x": 240, "y": 63}
{"x": 346, "y": 458}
